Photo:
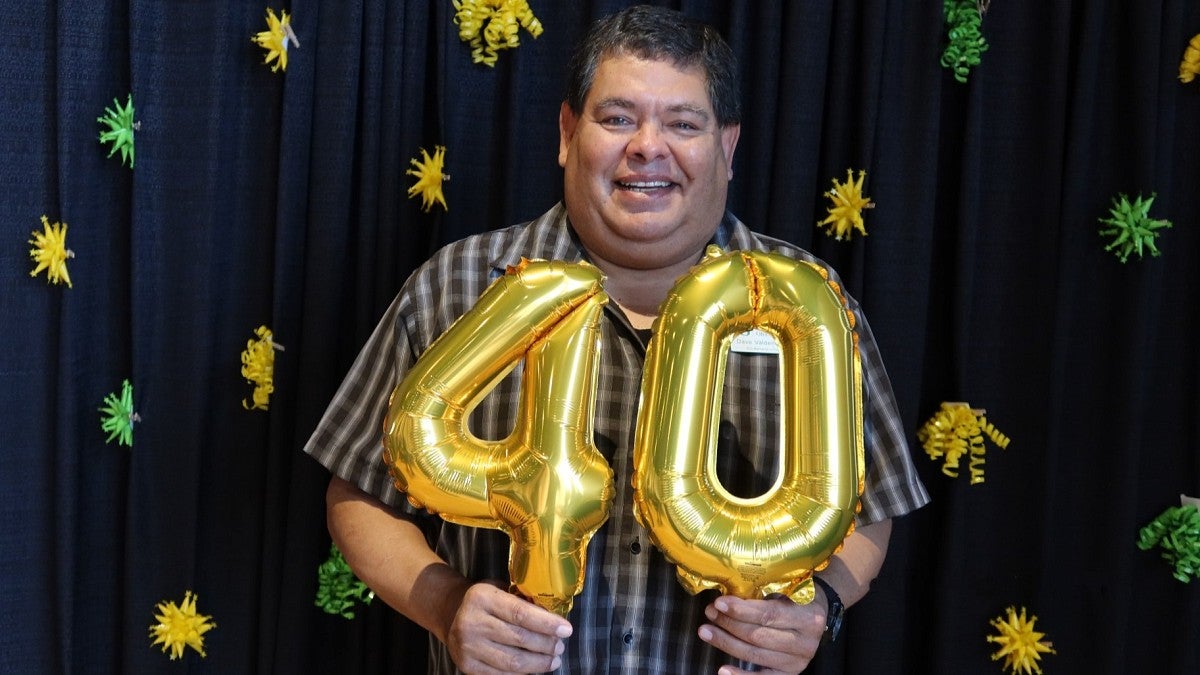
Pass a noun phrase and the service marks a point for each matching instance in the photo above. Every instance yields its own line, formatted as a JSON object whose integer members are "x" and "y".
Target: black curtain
{"x": 279, "y": 199}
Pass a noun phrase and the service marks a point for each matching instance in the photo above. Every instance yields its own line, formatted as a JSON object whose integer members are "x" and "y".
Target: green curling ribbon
{"x": 337, "y": 587}
{"x": 966, "y": 43}
{"x": 1177, "y": 532}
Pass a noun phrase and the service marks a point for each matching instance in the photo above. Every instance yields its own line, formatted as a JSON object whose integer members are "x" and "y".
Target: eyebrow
{"x": 626, "y": 104}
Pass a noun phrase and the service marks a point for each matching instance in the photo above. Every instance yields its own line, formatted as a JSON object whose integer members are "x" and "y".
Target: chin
{"x": 646, "y": 228}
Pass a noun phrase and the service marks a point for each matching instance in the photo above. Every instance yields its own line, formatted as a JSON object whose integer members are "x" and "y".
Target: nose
{"x": 648, "y": 143}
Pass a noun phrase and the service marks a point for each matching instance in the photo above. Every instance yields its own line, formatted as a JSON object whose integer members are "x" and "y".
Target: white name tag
{"x": 754, "y": 342}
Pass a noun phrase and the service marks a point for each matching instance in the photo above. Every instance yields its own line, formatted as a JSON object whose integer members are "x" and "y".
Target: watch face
{"x": 833, "y": 616}
{"x": 833, "y": 622}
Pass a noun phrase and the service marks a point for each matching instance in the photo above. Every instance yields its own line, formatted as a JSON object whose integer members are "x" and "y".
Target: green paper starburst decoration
{"x": 117, "y": 416}
{"x": 1177, "y": 532}
{"x": 1132, "y": 228}
{"x": 120, "y": 128}
{"x": 337, "y": 587}
{"x": 965, "y": 40}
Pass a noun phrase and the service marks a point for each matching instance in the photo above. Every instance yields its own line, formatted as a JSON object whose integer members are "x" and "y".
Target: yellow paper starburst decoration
{"x": 492, "y": 25}
{"x": 845, "y": 215}
{"x": 429, "y": 178}
{"x": 955, "y": 430}
{"x": 50, "y": 252}
{"x": 276, "y": 38}
{"x": 1021, "y": 646}
{"x": 258, "y": 367}
{"x": 180, "y": 626}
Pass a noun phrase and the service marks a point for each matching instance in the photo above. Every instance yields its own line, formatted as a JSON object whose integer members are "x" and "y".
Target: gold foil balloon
{"x": 771, "y": 543}
{"x": 546, "y": 485}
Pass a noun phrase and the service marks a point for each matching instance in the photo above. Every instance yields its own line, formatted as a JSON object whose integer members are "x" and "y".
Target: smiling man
{"x": 648, "y": 131}
{"x": 646, "y": 167}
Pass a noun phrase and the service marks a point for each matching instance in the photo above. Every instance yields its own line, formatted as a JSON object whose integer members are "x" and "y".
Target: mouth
{"x": 643, "y": 185}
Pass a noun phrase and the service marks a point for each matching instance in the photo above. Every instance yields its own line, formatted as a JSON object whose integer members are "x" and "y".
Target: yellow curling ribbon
{"x": 956, "y": 430}
{"x": 492, "y": 25}
{"x": 1190, "y": 65}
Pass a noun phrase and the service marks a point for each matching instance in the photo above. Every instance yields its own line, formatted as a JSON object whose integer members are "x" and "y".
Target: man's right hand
{"x": 486, "y": 629}
{"x": 494, "y": 631}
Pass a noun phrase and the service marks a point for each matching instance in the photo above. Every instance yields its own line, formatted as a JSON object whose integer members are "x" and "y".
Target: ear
{"x": 566, "y": 131}
{"x": 729, "y": 139}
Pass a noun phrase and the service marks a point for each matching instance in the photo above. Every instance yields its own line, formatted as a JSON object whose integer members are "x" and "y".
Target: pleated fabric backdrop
{"x": 278, "y": 199}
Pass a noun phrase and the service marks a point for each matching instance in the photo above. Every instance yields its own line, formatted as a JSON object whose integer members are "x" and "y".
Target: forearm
{"x": 391, "y": 556}
{"x": 852, "y": 570}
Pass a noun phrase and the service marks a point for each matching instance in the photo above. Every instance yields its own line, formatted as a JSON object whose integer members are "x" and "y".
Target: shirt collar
{"x": 551, "y": 237}
{"x": 548, "y": 237}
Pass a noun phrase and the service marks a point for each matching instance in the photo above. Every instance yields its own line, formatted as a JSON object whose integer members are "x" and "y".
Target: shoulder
{"x": 736, "y": 235}
{"x": 733, "y": 234}
{"x": 488, "y": 254}
{"x": 452, "y": 279}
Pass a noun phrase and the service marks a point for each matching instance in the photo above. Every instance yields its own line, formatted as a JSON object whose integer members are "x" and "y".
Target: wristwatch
{"x": 833, "y": 617}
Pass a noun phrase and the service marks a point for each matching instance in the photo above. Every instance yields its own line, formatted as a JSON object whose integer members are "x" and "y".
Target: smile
{"x": 644, "y": 186}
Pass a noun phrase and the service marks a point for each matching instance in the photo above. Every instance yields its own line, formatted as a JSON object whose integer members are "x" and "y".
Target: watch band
{"x": 833, "y": 618}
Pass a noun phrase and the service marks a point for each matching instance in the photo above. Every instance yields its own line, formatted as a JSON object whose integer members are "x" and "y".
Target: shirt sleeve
{"x": 349, "y": 438}
{"x": 893, "y": 487}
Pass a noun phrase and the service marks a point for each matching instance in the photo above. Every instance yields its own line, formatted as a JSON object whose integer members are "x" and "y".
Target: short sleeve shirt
{"x": 632, "y": 615}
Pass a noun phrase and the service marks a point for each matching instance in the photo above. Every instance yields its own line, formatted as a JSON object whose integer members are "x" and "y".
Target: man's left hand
{"x": 776, "y": 634}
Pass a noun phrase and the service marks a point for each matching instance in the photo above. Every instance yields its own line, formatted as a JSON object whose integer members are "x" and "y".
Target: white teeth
{"x": 647, "y": 185}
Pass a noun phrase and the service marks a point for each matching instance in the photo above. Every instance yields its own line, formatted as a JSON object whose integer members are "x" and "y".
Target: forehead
{"x": 627, "y": 76}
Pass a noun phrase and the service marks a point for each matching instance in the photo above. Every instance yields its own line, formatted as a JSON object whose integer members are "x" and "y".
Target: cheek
{"x": 598, "y": 162}
{"x": 599, "y": 153}
{"x": 701, "y": 163}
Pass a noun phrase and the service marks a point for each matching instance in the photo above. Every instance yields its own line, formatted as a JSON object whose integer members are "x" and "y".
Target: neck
{"x": 637, "y": 319}
{"x": 639, "y": 292}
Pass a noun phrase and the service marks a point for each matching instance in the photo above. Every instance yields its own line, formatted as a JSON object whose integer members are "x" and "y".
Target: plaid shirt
{"x": 632, "y": 615}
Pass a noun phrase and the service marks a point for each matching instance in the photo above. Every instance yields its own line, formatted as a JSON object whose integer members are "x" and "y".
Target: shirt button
{"x": 636, "y": 547}
{"x": 627, "y": 638}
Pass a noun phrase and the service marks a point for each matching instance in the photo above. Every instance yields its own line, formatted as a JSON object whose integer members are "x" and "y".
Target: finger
{"x": 731, "y": 670}
{"x": 775, "y": 633}
{"x": 521, "y": 612}
{"x": 524, "y": 639}
{"x": 484, "y": 638}
{"x": 788, "y": 628}
{"x": 490, "y": 658}
{"x": 483, "y": 655}
{"x": 775, "y": 612}
{"x": 515, "y": 610}
{"x": 745, "y": 651}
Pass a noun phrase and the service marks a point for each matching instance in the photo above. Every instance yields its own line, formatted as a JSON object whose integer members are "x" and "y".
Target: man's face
{"x": 646, "y": 166}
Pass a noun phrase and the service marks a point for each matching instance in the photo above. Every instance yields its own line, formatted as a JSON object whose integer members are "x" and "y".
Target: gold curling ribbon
{"x": 955, "y": 430}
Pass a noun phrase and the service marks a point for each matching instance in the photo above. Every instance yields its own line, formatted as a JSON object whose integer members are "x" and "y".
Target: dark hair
{"x": 657, "y": 33}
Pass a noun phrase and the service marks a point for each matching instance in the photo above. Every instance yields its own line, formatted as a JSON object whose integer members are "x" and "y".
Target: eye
{"x": 615, "y": 121}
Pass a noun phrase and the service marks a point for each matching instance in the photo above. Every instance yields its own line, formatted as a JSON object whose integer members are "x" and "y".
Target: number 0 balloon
{"x": 771, "y": 543}
{"x": 546, "y": 485}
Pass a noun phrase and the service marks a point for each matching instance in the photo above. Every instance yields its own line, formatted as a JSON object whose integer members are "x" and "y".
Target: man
{"x": 647, "y": 136}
